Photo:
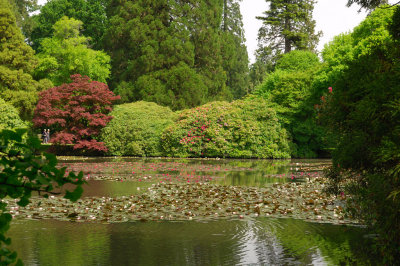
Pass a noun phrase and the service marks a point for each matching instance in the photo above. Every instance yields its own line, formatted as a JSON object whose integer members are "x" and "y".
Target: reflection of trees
{"x": 337, "y": 244}
{"x": 249, "y": 179}
{"x": 180, "y": 243}
{"x": 262, "y": 242}
{"x": 60, "y": 243}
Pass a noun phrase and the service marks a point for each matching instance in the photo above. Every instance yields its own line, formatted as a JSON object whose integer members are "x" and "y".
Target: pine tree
{"x": 17, "y": 61}
{"x": 287, "y": 25}
{"x": 368, "y": 4}
{"x": 234, "y": 51}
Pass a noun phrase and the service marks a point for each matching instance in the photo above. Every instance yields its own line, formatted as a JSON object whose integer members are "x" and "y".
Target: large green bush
{"x": 136, "y": 129}
{"x": 9, "y": 118}
{"x": 290, "y": 91}
{"x": 241, "y": 129}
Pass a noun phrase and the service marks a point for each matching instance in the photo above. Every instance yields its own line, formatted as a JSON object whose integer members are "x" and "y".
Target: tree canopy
{"x": 91, "y": 12}
{"x": 288, "y": 25}
{"x": 76, "y": 112}
{"x": 290, "y": 91}
{"x": 177, "y": 53}
{"x": 22, "y": 10}
{"x": 234, "y": 51}
{"x": 67, "y": 53}
{"x": 17, "y": 62}
{"x": 362, "y": 111}
{"x": 153, "y": 57}
{"x": 367, "y": 4}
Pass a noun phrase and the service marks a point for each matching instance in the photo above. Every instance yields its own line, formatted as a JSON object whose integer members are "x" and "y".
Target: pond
{"x": 222, "y": 240}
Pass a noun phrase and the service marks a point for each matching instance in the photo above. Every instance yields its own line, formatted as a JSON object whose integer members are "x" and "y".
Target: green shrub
{"x": 290, "y": 91}
{"x": 241, "y": 129}
{"x": 9, "y": 118}
{"x": 136, "y": 129}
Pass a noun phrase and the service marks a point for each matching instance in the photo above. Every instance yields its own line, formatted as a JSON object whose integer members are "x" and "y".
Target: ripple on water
{"x": 225, "y": 242}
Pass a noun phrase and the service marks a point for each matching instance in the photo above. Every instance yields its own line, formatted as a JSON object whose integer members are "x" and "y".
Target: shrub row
{"x": 241, "y": 129}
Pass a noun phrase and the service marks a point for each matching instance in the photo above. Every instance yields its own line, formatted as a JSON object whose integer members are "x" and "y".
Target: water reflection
{"x": 261, "y": 242}
{"x": 135, "y": 175}
{"x": 225, "y": 242}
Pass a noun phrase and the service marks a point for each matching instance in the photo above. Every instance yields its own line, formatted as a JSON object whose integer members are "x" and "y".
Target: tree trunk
{"x": 288, "y": 46}
{"x": 225, "y": 28}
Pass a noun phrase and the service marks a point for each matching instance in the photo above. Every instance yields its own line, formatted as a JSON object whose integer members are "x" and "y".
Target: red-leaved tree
{"x": 75, "y": 112}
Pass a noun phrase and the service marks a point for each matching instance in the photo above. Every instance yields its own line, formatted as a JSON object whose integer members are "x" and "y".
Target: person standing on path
{"x": 44, "y": 136}
{"x": 48, "y": 136}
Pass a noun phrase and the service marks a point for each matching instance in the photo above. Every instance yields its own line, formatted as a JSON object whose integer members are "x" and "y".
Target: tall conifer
{"x": 17, "y": 62}
{"x": 287, "y": 25}
{"x": 152, "y": 54}
{"x": 204, "y": 24}
{"x": 234, "y": 51}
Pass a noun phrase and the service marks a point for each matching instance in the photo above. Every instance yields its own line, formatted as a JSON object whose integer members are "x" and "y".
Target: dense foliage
{"x": 66, "y": 53}
{"x": 234, "y": 51}
{"x": 136, "y": 129}
{"x": 22, "y": 10}
{"x": 17, "y": 62}
{"x": 9, "y": 118}
{"x": 287, "y": 25}
{"x": 91, "y": 12}
{"x": 22, "y": 171}
{"x": 290, "y": 90}
{"x": 177, "y": 53}
{"x": 75, "y": 112}
{"x": 153, "y": 58}
{"x": 363, "y": 112}
{"x": 241, "y": 129}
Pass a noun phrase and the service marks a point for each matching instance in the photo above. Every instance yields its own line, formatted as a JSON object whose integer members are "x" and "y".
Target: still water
{"x": 258, "y": 242}
{"x": 261, "y": 241}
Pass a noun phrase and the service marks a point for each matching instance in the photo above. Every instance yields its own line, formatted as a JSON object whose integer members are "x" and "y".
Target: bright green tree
{"x": 234, "y": 51}
{"x": 363, "y": 111}
{"x": 17, "y": 62}
{"x": 91, "y": 12}
{"x": 67, "y": 53}
{"x": 152, "y": 53}
{"x": 290, "y": 89}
